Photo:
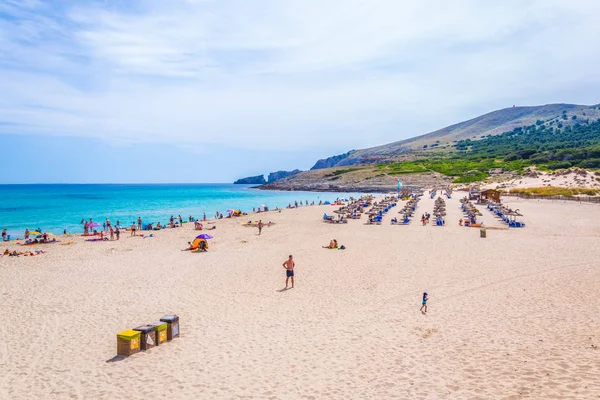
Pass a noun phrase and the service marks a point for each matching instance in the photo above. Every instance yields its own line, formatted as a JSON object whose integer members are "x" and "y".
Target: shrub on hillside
{"x": 560, "y": 165}
{"x": 511, "y": 157}
{"x": 591, "y": 163}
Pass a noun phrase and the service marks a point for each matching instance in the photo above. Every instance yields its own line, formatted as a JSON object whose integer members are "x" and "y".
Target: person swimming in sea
{"x": 424, "y": 303}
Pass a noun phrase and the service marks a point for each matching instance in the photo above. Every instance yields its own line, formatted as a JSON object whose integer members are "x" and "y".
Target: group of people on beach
{"x": 14, "y": 253}
{"x": 425, "y": 218}
{"x": 114, "y": 231}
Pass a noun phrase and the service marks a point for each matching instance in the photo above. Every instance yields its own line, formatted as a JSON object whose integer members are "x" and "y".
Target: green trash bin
{"x": 161, "y": 332}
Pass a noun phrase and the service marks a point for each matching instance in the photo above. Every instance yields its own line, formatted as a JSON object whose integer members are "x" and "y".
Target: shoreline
{"x": 55, "y": 208}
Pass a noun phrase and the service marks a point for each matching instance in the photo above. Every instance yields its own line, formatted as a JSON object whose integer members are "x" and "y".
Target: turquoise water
{"x": 54, "y": 208}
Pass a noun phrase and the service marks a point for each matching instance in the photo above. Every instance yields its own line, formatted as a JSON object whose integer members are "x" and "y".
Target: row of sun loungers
{"x": 380, "y": 209}
{"x": 439, "y": 211}
{"x": 471, "y": 213}
{"x": 353, "y": 210}
{"x": 507, "y": 215}
{"x": 408, "y": 210}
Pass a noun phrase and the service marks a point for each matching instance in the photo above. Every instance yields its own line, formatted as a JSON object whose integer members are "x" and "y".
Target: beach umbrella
{"x": 230, "y": 210}
{"x": 34, "y": 233}
{"x": 94, "y": 224}
{"x": 204, "y": 236}
{"x": 50, "y": 235}
{"x": 262, "y": 205}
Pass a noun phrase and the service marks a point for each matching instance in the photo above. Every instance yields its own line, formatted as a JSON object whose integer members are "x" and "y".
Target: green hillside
{"x": 493, "y": 123}
{"x": 546, "y": 144}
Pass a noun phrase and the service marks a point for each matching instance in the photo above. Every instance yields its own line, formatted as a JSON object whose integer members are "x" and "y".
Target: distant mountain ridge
{"x": 492, "y": 123}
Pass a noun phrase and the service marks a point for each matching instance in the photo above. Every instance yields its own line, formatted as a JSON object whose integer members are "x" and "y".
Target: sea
{"x": 56, "y": 207}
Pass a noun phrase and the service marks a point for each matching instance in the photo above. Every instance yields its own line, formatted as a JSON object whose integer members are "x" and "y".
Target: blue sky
{"x": 208, "y": 91}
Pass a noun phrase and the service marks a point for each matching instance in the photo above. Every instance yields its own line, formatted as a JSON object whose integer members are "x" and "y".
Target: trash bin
{"x": 161, "y": 332}
{"x": 482, "y": 233}
{"x": 128, "y": 342}
{"x": 147, "y": 338}
{"x": 172, "y": 326}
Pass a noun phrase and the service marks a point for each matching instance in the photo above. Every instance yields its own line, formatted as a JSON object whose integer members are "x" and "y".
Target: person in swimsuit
{"x": 139, "y": 225}
{"x": 133, "y": 229}
{"x": 260, "y": 226}
{"x": 424, "y": 303}
{"x": 289, "y": 265}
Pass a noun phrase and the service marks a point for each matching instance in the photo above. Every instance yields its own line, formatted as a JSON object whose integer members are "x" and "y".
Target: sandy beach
{"x": 515, "y": 315}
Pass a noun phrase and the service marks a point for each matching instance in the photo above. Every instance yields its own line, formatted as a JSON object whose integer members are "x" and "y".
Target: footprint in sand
{"x": 426, "y": 333}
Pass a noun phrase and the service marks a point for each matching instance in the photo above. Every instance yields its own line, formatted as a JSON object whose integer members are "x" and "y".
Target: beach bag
{"x": 342, "y": 247}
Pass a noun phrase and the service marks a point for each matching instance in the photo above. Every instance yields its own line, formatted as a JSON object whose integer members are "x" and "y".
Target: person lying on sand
{"x": 332, "y": 245}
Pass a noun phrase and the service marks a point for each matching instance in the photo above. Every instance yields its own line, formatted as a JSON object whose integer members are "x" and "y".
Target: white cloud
{"x": 286, "y": 74}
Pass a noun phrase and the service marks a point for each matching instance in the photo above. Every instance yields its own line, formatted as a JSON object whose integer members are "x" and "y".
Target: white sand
{"x": 515, "y": 315}
{"x": 567, "y": 180}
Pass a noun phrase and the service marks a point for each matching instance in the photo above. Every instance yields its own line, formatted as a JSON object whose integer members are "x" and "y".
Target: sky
{"x": 113, "y": 91}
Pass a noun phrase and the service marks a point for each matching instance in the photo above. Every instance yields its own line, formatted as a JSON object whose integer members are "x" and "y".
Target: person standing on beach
{"x": 289, "y": 265}
{"x": 117, "y": 231}
{"x": 260, "y": 226}
{"x": 4, "y": 235}
{"x": 112, "y": 233}
{"x": 140, "y": 223}
{"x": 133, "y": 229}
{"x": 424, "y": 302}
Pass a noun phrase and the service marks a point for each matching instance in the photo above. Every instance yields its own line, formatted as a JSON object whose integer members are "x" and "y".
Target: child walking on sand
{"x": 424, "y": 303}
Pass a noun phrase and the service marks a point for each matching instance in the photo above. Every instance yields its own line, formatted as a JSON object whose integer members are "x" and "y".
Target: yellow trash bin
{"x": 128, "y": 342}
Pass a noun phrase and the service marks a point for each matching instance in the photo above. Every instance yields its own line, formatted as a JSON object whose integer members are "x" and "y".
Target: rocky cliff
{"x": 366, "y": 179}
{"x": 275, "y": 176}
{"x": 251, "y": 180}
{"x": 331, "y": 161}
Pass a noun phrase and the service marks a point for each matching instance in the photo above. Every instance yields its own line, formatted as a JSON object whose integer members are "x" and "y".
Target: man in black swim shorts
{"x": 289, "y": 265}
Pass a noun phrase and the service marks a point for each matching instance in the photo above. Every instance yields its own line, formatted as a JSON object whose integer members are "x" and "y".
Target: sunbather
{"x": 332, "y": 245}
